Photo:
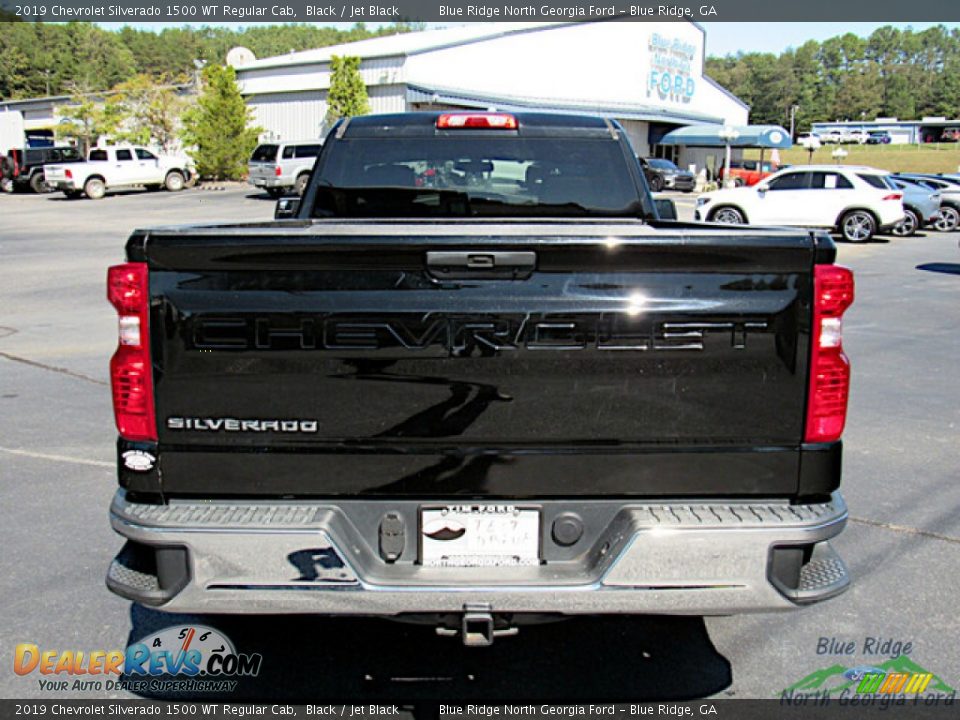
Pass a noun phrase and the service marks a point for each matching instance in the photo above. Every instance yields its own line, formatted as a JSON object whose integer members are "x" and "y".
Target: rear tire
{"x": 727, "y": 216}
{"x": 858, "y": 226}
{"x": 948, "y": 219}
{"x": 300, "y": 187}
{"x": 656, "y": 183}
{"x": 174, "y": 182}
{"x": 38, "y": 183}
{"x": 94, "y": 188}
{"x": 739, "y": 182}
{"x": 908, "y": 226}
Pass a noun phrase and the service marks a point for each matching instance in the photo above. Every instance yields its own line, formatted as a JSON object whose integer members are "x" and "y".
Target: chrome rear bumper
{"x": 698, "y": 558}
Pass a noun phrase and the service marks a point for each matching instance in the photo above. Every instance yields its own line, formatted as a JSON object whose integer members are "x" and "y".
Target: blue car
{"x": 921, "y": 205}
{"x": 949, "y": 218}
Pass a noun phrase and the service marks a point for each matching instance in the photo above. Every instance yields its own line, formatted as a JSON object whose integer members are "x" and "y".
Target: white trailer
{"x": 11, "y": 131}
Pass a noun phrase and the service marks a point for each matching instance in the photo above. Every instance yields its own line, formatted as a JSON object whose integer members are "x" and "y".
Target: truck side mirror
{"x": 666, "y": 208}
{"x": 287, "y": 208}
{"x": 763, "y": 187}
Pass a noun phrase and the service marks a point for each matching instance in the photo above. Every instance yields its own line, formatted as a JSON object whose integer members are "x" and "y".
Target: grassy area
{"x": 932, "y": 158}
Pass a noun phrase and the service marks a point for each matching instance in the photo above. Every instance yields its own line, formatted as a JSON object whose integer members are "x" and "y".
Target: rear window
{"x": 264, "y": 153}
{"x": 98, "y": 155}
{"x": 307, "y": 151}
{"x": 663, "y": 164}
{"x": 478, "y": 177}
{"x": 876, "y": 181}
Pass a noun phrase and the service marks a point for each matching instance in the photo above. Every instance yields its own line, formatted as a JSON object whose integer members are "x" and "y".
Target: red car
{"x": 748, "y": 172}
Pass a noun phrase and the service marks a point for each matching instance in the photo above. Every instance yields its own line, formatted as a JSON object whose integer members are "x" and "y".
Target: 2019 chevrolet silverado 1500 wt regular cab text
{"x": 477, "y": 380}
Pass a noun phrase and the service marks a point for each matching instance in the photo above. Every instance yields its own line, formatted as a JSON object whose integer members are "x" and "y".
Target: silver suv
{"x": 282, "y": 166}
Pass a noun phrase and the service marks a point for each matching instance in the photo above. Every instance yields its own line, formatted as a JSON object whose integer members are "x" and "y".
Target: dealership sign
{"x": 671, "y": 66}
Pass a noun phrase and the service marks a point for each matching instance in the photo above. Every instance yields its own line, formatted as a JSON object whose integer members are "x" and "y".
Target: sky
{"x": 723, "y": 38}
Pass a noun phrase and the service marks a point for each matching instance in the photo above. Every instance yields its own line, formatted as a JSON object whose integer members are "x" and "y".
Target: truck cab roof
{"x": 527, "y": 123}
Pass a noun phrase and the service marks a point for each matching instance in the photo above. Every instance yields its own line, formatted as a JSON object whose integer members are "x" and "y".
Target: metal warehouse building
{"x": 649, "y": 76}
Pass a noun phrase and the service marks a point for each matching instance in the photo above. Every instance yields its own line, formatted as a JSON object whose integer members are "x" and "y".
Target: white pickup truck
{"x": 112, "y": 168}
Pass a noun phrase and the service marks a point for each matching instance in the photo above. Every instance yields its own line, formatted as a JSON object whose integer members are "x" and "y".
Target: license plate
{"x": 479, "y": 536}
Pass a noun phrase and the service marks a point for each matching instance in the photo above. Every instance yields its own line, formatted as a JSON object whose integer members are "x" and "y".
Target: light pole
{"x": 728, "y": 134}
{"x": 811, "y": 143}
{"x": 793, "y": 115}
{"x": 839, "y": 154}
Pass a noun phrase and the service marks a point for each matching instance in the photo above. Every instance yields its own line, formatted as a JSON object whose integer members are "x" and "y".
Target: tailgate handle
{"x": 480, "y": 264}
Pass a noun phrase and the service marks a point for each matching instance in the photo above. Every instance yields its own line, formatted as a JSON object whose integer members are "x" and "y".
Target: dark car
{"x": 878, "y": 137}
{"x": 665, "y": 175}
{"x": 25, "y": 165}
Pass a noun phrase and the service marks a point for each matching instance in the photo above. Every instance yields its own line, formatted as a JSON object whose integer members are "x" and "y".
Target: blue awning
{"x": 765, "y": 136}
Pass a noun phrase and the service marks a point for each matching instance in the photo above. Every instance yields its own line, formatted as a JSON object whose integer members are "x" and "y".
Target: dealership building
{"x": 649, "y": 76}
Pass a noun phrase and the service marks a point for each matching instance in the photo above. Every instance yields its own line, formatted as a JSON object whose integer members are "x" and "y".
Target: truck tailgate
{"x": 489, "y": 359}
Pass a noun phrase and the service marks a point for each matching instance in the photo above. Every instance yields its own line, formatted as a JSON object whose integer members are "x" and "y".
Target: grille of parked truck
{"x": 475, "y": 380}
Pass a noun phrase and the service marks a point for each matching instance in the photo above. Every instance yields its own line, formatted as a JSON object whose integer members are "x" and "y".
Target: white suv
{"x": 283, "y": 166}
{"x": 857, "y": 202}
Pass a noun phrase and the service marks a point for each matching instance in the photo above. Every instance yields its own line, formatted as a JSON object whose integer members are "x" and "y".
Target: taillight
{"x": 893, "y": 196}
{"x": 16, "y": 163}
{"x": 131, "y": 370}
{"x": 68, "y": 173}
{"x": 278, "y": 171}
{"x": 829, "y": 367}
{"x": 492, "y": 121}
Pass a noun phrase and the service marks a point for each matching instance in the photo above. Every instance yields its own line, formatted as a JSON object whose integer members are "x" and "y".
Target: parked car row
{"x": 103, "y": 170}
{"x": 274, "y": 167}
{"x": 855, "y": 201}
{"x": 849, "y": 137}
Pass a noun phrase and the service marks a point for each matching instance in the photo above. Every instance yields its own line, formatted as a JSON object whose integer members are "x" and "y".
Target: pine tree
{"x": 218, "y": 127}
{"x": 348, "y": 95}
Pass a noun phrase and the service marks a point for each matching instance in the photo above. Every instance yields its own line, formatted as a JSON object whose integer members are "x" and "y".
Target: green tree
{"x": 218, "y": 126}
{"x": 86, "y": 119}
{"x": 14, "y": 66}
{"x": 152, "y": 110}
{"x": 348, "y": 94}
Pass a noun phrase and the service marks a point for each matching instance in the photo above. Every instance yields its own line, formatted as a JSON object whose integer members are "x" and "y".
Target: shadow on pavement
{"x": 612, "y": 658}
{"x": 949, "y": 268}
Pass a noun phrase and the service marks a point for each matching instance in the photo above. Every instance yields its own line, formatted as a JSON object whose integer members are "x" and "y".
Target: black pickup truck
{"x": 474, "y": 378}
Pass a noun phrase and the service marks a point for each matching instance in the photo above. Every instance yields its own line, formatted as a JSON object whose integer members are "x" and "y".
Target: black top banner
{"x": 457, "y": 11}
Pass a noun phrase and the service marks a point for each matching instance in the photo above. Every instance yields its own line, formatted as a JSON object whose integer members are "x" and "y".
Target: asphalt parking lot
{"x": 901, "y": 481}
